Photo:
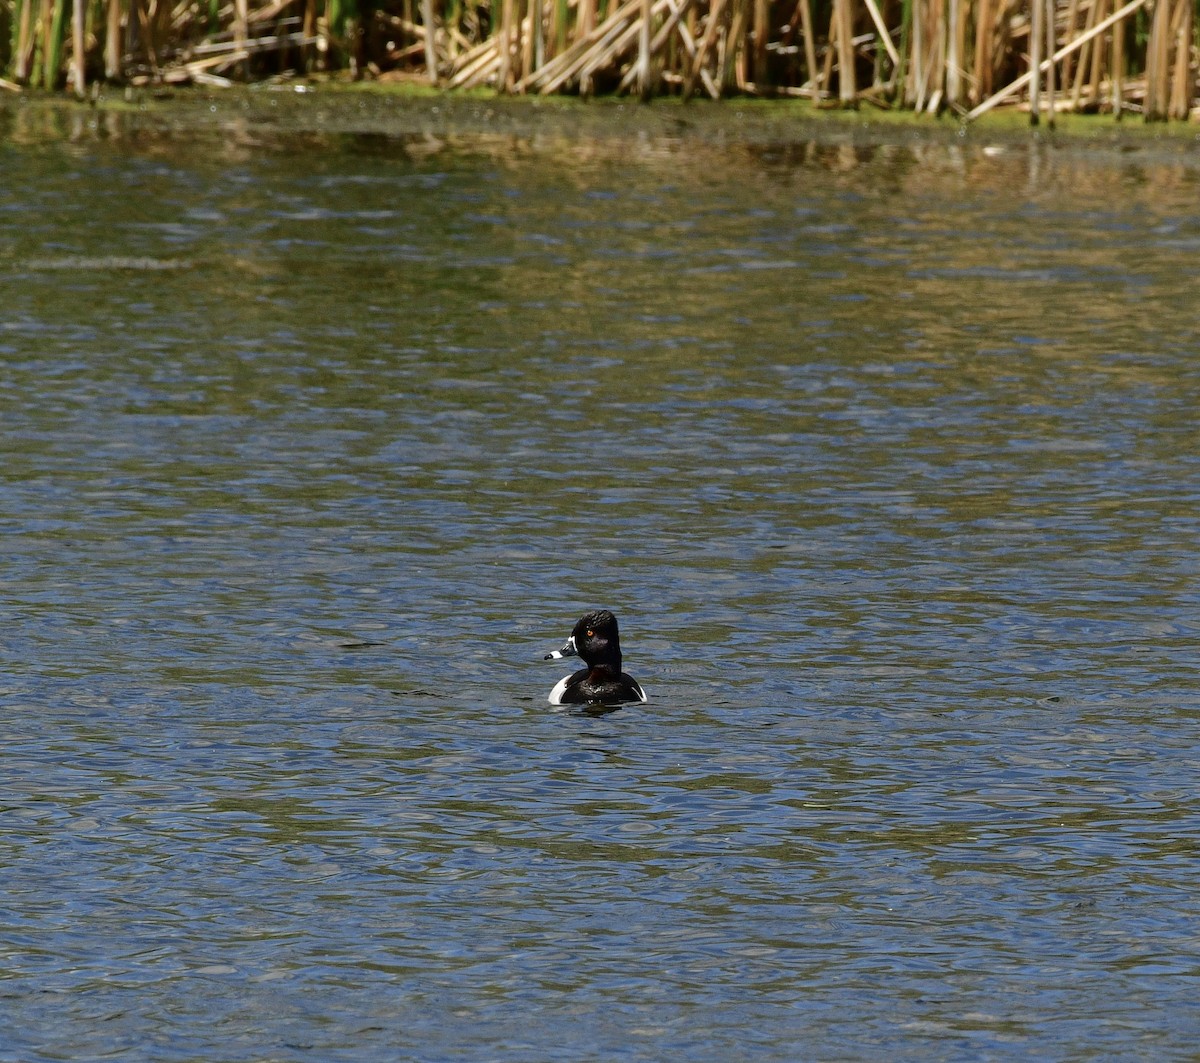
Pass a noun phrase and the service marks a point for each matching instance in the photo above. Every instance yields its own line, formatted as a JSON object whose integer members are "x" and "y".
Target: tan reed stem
{"x": 1019, "y": 83}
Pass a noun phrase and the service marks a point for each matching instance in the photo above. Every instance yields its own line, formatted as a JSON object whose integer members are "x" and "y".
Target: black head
{"x": 595, "y": 639}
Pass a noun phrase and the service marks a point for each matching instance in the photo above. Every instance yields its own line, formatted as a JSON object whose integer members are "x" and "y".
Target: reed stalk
{"x": 52, "y": 51}
{"x": 1013, "y": 87}
{"x": 831, "y": 49}
{"x": 760, "y": 70}
{"x": 529, "y": 14}
{"x": 1047, "y": 7}
{"x": 1118, "y": 70}
{"x": 1068, "y": 33}
{"x": 645, "y": 87}
{"x": 78, "y": 75}
{"x": 241, "y": 16}
{"x": 1157, "y": 72}
{"x": 953, "y": 78}
{"x": 715, "y": 15}
{"x": 562, "y": 13}
{"x": 507, "y": 32}
{"x": 573, "y": 62}
{"x": 885, "y": 38}
{"x": 537, "y": 22}
{"x": 1036, "y": 21}
{"x": 901, "y": 72}
{"x": 23, "y": 50}
{"x": 984, "y": 36}
{"x": 112, "y": 41}
{"x": 924, "y": 54}
{"x": 1183, "y": 81}
{"x": 1085, "y": 55}
{"x": 810, "y": 43}
{"x": 431, "y": 62}
{"x": 917, "y": 92}
{"x": 734, "y": 39}
{"x": 847, "y": 81}
{"x": 310, "y": 34}
{"x": 1097, "y": 60}
{"x": 935, "y": 67}
{"x": 672, "y": 27}
{"x": 585, "y": 20}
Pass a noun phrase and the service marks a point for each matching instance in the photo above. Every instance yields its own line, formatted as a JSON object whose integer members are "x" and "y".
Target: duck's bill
{"x": 568, "y": 650}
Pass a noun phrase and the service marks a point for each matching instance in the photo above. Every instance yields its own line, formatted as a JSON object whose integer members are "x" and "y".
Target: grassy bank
{"x": 963, "y": 57}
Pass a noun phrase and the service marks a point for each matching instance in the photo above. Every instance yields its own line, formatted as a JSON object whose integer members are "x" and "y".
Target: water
{"x": 315, "y": 442}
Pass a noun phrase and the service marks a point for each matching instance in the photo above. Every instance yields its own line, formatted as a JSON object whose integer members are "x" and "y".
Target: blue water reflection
{"x": 886, "y": 460}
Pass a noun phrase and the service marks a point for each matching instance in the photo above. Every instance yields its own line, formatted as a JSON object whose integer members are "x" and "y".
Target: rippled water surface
{"x": 886, "y": 455}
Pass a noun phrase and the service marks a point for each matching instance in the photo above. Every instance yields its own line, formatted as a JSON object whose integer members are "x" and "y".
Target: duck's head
{"x": 595, "y": 639}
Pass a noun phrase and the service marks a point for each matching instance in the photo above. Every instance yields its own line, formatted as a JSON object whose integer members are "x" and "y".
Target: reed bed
{"x": 964, "y": 56}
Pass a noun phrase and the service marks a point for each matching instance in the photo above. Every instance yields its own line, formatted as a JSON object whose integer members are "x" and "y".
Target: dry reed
{"x": 965, "y": 56}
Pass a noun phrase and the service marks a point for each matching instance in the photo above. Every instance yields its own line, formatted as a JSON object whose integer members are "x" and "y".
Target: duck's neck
{"x": 609, "y": 669}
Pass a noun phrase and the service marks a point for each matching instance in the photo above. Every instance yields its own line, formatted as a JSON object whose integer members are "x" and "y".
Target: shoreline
{"x": 403, "y": 109}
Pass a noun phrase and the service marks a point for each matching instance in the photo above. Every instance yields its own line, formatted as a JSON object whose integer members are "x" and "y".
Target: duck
{"x": 596, "y": 640}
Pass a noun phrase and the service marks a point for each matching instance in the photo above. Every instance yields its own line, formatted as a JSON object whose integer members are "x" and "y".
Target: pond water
{"x": 315, "y": 442}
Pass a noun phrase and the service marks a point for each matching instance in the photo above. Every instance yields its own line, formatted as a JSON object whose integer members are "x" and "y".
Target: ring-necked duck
{"x": 595, "y": 639}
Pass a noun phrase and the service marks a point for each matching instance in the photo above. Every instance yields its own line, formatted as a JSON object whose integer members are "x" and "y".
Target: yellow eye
{"x": 590, "y": 633}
